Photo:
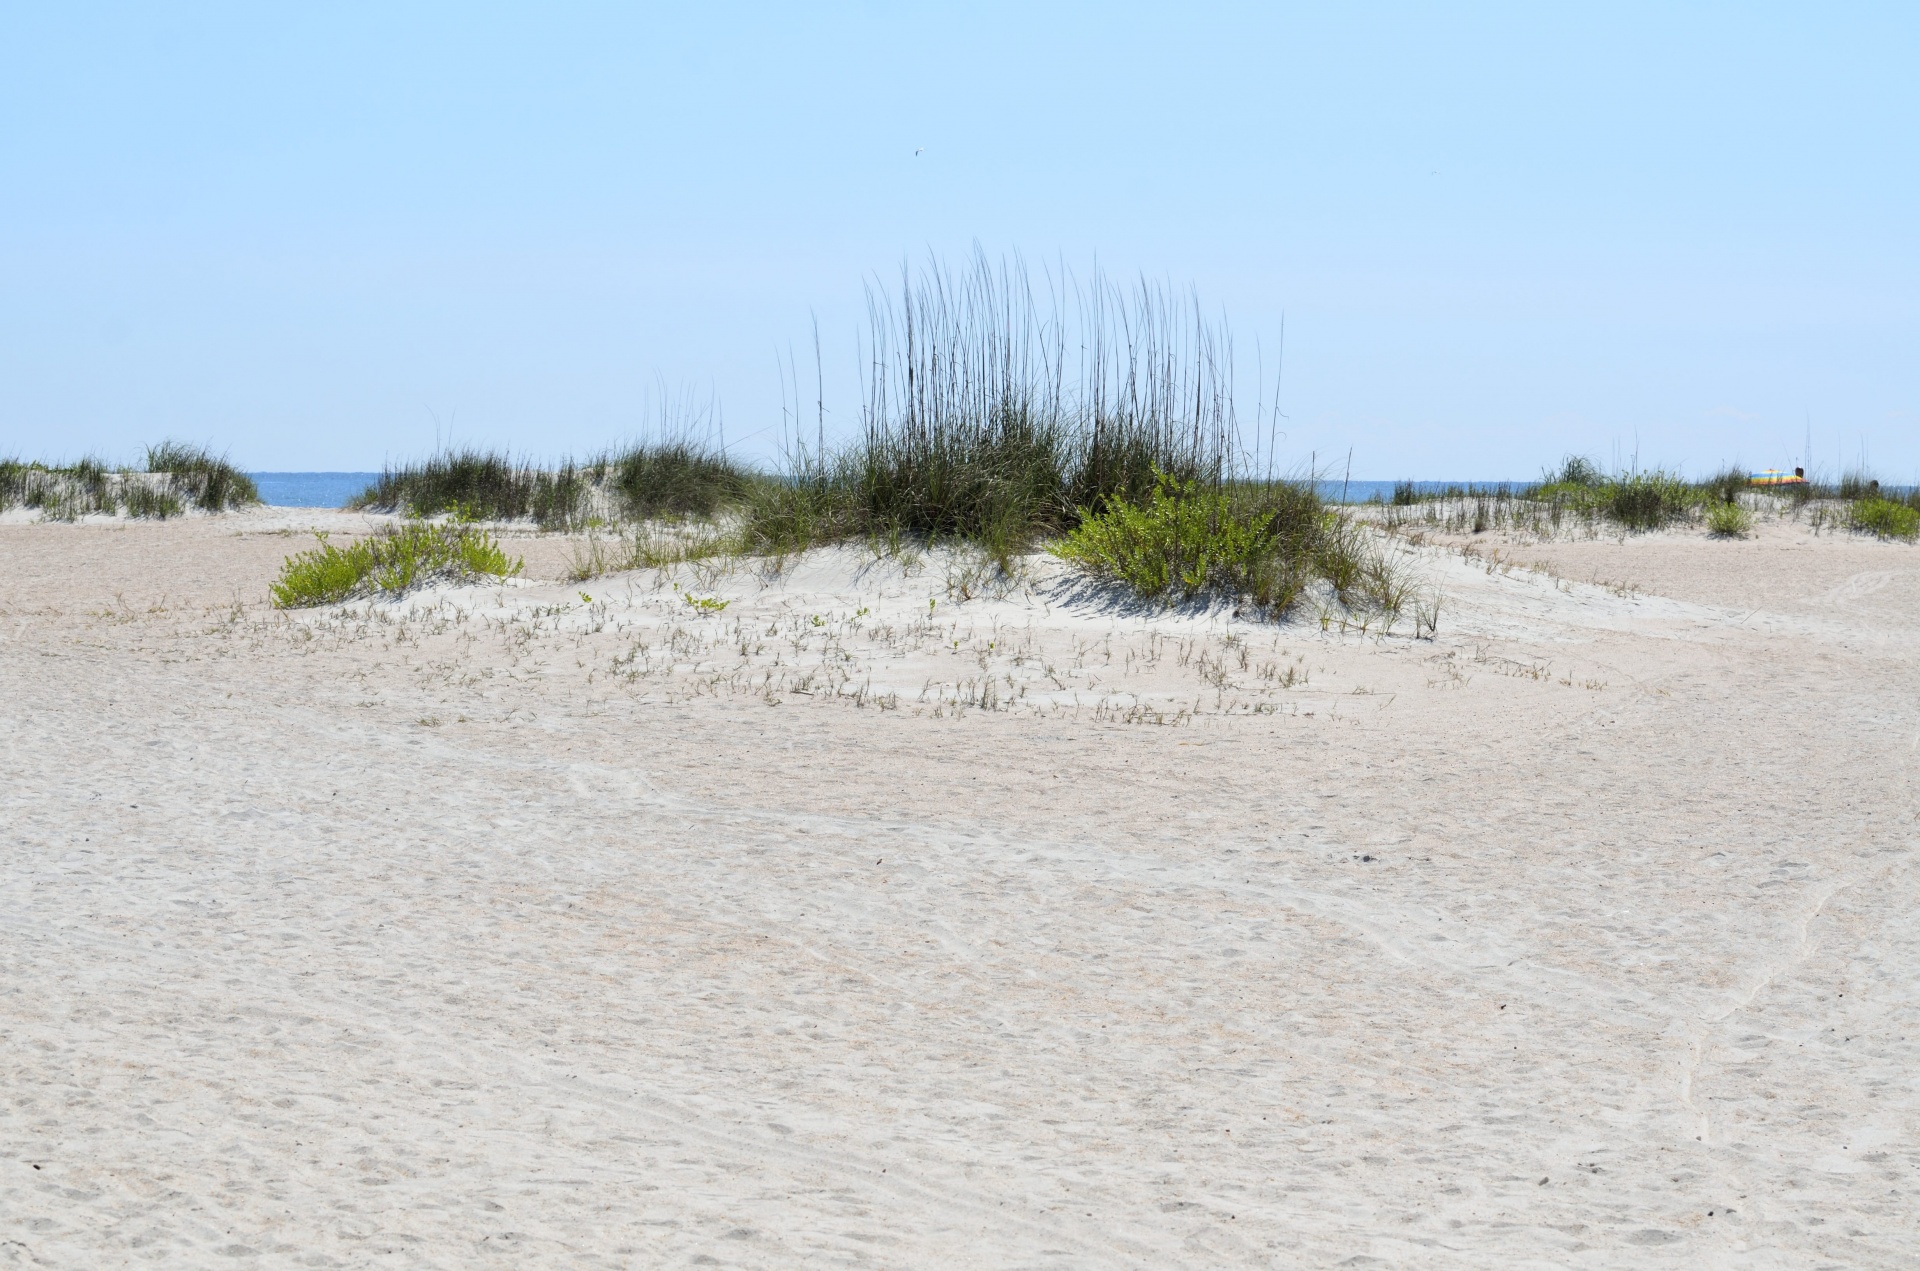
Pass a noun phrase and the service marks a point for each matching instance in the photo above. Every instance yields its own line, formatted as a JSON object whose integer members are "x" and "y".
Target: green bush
{"x": 1186, "y": 540}
{"x": 1728, "y": 520}
{"x": 1885, "y": 518}
{"x": 392, "y": 560}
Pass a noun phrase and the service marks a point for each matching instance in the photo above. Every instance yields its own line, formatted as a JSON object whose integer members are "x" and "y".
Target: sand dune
{"x": 883, "y": 913}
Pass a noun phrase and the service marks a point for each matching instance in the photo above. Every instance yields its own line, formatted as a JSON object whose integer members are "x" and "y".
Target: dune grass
{"x": 1729, "y": 520}
{"x": 1261, "y": 544}
{"x": 392, "y": 560}
{"x": 677, "y": 477}
{"x": 994, "y": 420}
{"x": 175, "y": 476}
{"x": 483, "y": 485}
{"x": 205, "y": 479}
{"x": 1579, "y": 496}
{"x": 1886, "y": 518}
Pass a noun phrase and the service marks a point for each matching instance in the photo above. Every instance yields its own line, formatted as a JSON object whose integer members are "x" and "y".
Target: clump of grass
{"x": 1184, "y": 541}
{"x": 1857, "y": 484}
{"x": 1729, "y": 520}
{"x": 203, "y": 478}
{"x": 1647, "y": 500}
{"x": 146, "y": 502}
{"x": 994, "y": 420}
{"x": 1254, "y": 543}
{"x": 1885, "y": 518}
{"x": 484, "y": 485}
{"x": 676, "y": 478}
{"x": 1577, "y": 471}
{"x": 175, "y": 476}
{"x": 1726, "y": 485}
{"x": 393, "y": 559}
{"x": 651, "y": 545}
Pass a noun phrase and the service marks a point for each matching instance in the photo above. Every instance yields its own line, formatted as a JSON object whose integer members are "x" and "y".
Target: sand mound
{"x": 896, "y": 913}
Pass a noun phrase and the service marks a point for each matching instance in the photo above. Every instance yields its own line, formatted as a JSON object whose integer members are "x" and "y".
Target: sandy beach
{"x": 883, "y": 913}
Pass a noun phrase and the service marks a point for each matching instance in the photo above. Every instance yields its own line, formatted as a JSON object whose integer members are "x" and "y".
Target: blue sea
{"x": 311, "y": 489}
{"x": 1368, "y": 491}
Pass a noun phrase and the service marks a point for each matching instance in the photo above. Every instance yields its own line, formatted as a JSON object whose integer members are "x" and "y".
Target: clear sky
{"x": 319, "y": 236}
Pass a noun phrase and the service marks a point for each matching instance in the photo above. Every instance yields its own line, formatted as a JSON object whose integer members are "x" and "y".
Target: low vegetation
{"x": 1886, "y": 518}
{"x": 1580, "y": 497}
{"x": 1729, "y": 520}
{"x": 175, "y": 477}
{"x": 1184, "y": 540}
{"x": 202, "y": 478}
{"x": 994, "y": 420}
{"x": 392, "y": 560}
{"x": 485, "y": 485}
{"x": 675, "y": 478}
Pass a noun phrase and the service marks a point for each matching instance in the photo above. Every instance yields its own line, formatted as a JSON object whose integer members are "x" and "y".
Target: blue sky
{"x": 321, "y": 236}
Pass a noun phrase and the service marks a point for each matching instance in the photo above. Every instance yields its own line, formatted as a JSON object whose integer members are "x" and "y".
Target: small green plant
{"x": 1729, "y": 520}
{"x": 711, "y": 604}
{"x": 392, "y": 560}
{"x": 1885, "y": 518}
{"x": 1186, "y": 540}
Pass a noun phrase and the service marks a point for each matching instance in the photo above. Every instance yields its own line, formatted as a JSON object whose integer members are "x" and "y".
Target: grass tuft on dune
{"x": 393, "y": 559}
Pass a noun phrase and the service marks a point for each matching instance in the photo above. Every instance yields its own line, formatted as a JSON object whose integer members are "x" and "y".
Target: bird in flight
{"x": 921, "y": 150}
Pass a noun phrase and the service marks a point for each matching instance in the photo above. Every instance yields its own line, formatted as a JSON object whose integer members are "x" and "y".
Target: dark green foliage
{"x": 675, "y": 479}
{"x": 665, "y": 479}
{"x": 1405, "y": 494}
{"x": 143, "y": 501}
{"x": 208, "y": 481}
{"x": 1647, "y": 500}
{"x": 483, "y": 486}
{"x": 979, "y": 424}
{"x": 1576, "y": 470}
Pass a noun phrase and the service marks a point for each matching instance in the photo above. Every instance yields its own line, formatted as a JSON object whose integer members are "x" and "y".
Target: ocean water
{"x": 1368, "y": 491}
{"x": 311, "y": 489}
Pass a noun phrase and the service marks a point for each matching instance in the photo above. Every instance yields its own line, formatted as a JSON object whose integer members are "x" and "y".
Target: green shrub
{"x": 391, "y": 560}
{"x": 1728, "y": 520}
{"x": 1885, "y": 518}
{"x": 1187, "y": 540}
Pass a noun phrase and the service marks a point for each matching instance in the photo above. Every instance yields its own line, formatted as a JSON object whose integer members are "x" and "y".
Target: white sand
{"x": 501, "y": 927}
